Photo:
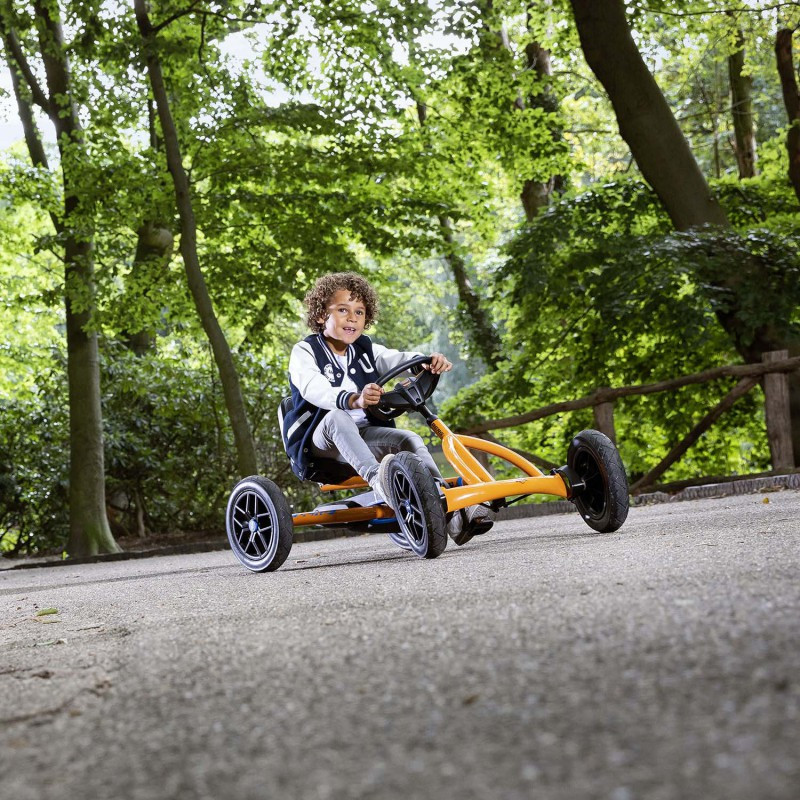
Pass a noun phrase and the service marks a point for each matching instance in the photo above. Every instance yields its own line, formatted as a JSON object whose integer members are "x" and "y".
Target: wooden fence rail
{"x": 772, "y": 371}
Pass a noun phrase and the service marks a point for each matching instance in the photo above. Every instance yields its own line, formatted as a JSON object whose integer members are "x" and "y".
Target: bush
{"x": 34, "y": 443}
{"x": 169, "y": 454}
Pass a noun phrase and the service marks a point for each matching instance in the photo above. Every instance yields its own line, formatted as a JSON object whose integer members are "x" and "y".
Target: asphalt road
{"x": 541, "y": 661}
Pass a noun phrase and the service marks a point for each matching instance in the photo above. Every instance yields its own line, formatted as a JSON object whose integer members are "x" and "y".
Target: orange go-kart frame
{"x": 478, "y": 484}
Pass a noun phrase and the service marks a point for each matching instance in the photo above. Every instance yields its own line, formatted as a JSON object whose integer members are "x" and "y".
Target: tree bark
{"x": 742, "y": 111}
{"x": 645, "y": 120}
{"x": 153, "y": 251}
{"x": 242, "y": 434}
{"x": 536, "y": 195}
{"x": 89, "y": 531}
{"x": 791, "y": 99}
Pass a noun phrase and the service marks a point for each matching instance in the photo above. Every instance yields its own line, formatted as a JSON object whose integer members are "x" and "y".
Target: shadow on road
{"x": 393, "y": 554}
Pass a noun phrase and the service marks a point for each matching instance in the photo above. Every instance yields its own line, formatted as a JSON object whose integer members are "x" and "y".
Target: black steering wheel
{"x": 408, "y": 395}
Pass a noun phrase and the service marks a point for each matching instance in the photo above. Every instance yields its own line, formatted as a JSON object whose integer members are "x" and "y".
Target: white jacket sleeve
{"x": 311, "y": 383}
{"x": 387, "y": 358}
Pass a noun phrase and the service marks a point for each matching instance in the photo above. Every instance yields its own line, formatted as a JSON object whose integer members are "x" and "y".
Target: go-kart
{"x": 260, "y": 524}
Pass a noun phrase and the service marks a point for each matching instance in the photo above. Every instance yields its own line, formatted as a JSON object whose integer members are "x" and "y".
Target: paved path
{"x": 543, "y": 661}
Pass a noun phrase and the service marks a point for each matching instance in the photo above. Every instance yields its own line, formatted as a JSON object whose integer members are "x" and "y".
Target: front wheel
{"x": 259, "y": 524}
{"x": 603, "y": 501}
{"x": 418, "y": 504}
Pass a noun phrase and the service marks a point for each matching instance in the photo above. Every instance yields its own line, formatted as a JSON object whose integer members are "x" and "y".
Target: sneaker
{"x": 381, "y": 484}
{"x": 469, "y": 522}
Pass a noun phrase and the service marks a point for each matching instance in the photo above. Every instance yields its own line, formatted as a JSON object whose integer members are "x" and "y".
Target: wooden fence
{"x": 772, "y": 373}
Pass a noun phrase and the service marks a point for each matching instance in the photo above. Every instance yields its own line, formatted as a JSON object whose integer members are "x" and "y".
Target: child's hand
{"x": 370, "y": 396}
{"x": 439, "y": 364}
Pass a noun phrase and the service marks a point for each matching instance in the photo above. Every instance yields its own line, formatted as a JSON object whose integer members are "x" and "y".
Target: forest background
{"x": 520, "y": 191}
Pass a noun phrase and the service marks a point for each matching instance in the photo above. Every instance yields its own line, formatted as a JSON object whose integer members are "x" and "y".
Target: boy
{"x": 330, "y": 374}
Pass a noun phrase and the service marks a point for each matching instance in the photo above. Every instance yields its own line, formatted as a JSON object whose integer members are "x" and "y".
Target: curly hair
{"x": 318, "y": 298}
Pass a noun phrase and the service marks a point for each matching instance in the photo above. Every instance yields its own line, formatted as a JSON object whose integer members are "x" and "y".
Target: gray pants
{"x": 338, "y": 437}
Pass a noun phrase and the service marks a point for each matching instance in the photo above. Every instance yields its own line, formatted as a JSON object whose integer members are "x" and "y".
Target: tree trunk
{"x": 154, "y": 243}
{"x": 536, "y": 195}
{"x": 791, "y": 99}
{"x": 243, "y": 437}
{"x": 742, "y": 111}
{"x": 153, "y": 251}
{"x": 645, "y": 120}
{"x": 483, "y": 336}
{"x": 89, "y": 531}
{"x": 32, "y": 139}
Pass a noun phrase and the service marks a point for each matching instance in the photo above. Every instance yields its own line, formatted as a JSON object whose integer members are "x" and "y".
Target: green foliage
{"x": 30, "y": 296}
{"x": 604, "y": 294}
{"x": 34, "y": 441}
{"x": 340, "y": 135}
{"x": 168, "y": 446}
{"x": 168, "y": 450}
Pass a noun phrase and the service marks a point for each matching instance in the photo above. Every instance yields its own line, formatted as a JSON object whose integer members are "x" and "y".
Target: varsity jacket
{"x": 315, "y": 379}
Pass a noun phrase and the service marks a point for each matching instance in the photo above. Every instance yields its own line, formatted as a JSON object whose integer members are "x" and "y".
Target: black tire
{"x": 603, "y": 503}
{"x": 259, "y": 524}
{"x": 420, "y": 510}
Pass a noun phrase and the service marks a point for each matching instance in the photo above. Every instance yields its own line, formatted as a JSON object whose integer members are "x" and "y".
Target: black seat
{"x": 321, "y": 470}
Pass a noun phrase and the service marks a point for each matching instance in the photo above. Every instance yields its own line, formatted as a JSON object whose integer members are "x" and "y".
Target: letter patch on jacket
{"x": 365, "y": 365}
{"x": 328, "y": 373}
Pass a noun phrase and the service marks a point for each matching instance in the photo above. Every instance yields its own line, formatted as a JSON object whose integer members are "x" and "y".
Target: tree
{"x": 154, "y": 242}
{"x": 742, "y": 110}
{"x": 483, "y": 336}
{"x": 89, "y": 532}
{"x": 245, "y": 445}
{"x": 791, "y": 99}
{"x": 646, "y": 122}
{"x": 496, "y": 45}
{"x": 667, "y": 164}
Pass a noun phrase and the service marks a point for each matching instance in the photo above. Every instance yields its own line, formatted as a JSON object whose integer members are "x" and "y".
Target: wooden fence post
{"x": 604, "y": 420}
{"x": 776, "y": 411}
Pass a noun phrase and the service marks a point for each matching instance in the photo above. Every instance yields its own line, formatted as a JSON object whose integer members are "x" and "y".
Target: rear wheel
{"x": 259, "y": 524}
{"x": 603, "y": 502}
{"x": 418, "y": 504}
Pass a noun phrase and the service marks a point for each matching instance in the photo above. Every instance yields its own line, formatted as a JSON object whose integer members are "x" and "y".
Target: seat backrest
{"x": 284, "y": 408}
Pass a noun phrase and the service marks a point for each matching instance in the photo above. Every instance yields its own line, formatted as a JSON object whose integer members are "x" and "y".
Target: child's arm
{"x": 312, "y": 384}
{"x": 387, "y": 358}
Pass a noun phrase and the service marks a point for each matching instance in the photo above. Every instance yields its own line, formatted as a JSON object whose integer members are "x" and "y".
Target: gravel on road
{"x": 539, "y": 661}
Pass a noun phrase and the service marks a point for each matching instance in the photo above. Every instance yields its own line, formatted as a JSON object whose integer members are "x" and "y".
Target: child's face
{"x": 345, "y": 320}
